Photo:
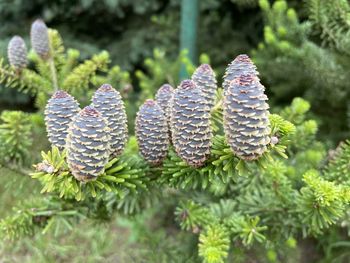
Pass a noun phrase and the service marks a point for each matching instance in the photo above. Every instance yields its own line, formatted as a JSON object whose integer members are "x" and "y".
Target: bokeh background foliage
{"x": 301, "y": 49}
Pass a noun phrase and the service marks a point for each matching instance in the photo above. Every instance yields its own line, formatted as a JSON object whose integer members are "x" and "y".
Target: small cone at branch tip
{"x": 59, "y": 112}
{"x": 241, "y": 65}
{"x": 246, "y": 122}
{"x": 205, "y": 79}
{"x": 190, "y": 124}
{"x": 164, "y": 98}
{"x": 17, "y": 53}
{"x": 39, "y": 37}
{"x": 109, "y": 103}
{"x": 151, "y": 130}
{"x": 88, "y": 144}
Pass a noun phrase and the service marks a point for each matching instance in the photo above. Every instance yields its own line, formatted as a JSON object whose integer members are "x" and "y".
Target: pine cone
{"x": 204, "y": 78}
{"x": 152, "y": 132}
{"x": 87, "y": 145}
{"x": 246, "y": 120}
{"x": 164, "y": 98}
{"x": 190, "y": 122}
{"x": 241, "y": 65}
{"x": 17, "y": 53}
{"x": 59, "y": 112}
{"x": 39, "y": 37}
{"x": 109, "y": 103}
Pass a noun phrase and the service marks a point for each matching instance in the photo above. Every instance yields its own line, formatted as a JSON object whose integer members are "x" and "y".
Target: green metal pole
{"x": 188, "y": 34}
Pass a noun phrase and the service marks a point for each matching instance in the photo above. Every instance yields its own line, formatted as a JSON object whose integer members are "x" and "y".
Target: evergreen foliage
{"x": 120, "y": 176}
{"x": 160, "y": 70}
{"x": 307, "y": 58}
{"x": 221, "y": 209}
{"x": 15, "y": 136}
{"x": 214, "y": 244}
{"x": 231, "y": 201}
{"x": 62, "y": 70}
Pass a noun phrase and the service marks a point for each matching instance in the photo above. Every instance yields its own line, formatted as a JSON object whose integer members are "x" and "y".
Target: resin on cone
{"x": 87, "y": 145}
{"x": 151, "y": 130}
{"x": 59, "y": 112}
{"x": 39, "y": 36}
{"x": 190, "y": 124}
{"x": 246, "y": 117}
{"x": 109, "y": 103}
{"x": 205, "y": 80}
{"x": 17, "y": 53}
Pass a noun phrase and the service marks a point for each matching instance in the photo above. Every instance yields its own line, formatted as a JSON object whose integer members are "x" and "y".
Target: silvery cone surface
{"x": 190, "y": 123}
{"x": 246, "y": 121}
{"x": 17, "y": 53}
{"x": 59, "y": 112}
{"x": 39, "y": 37}
{"x": 204, "y": 78}
{"x": 109, "y": 103}
{"x": 164, "y": 98}
{"x": 241, "y": 65}
{"x": 87, "y": 145}
{"x": 152, "y": 135}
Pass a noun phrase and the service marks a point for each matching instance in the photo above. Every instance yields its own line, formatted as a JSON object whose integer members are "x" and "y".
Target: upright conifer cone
{"x": 205, "y": 80}
{"x": 164, "y": 98}
{"x": 241, "y": 65}
{"x": 246, "y": 121}
{"x": 190, "y": 122}
{"x": 109, "y": 103}
{"x": 152, "y": 132}
{"x": 39, "y": 37}
{"x": 17, "y": 53}
{"x": 87, "y": 144}
{"x": 59, "y": 112}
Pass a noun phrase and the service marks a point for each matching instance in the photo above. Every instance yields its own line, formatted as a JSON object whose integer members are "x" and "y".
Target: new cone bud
{"x": 241, "y": 65}
{"x": 109, "y": 103}
{"x": 164, "y": 98}
{"x": 17, "y": 53}
{"x": 59, "y": 112}
{"x": 87, "y": 145}
{"x": 152, "y": 132}
{"x": 205, "y": 80}
{"x": 190, "y": 122}
{"x": 246, "y": 121}
{"x": 39, "y": 37}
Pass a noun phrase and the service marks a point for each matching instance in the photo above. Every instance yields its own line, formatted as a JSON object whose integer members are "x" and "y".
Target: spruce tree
{"x": 238, "y": 181}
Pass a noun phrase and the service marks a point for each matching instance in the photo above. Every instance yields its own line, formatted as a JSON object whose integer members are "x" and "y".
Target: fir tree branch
{"x": 53, "y": 74}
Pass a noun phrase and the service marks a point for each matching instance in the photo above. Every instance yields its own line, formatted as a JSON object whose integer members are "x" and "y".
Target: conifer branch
{"x": 53, "y": 74}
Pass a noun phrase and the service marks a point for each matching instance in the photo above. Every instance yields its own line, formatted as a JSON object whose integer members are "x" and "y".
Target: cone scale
{"x": 164, "y": 98}
{"x": 190, "y": 122}
{"x": 109, "y": 103}
{"x": 59, "y": 112}
{"x": 205, "y": 80}
{"x": 17, "y": 53}
{"x": 152, "y": 132}
{"x": 241, "y": 65}
{"x": 246, "y": 122}
{"x": 39, "y": 37}
{"x": 87, "y": 145}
